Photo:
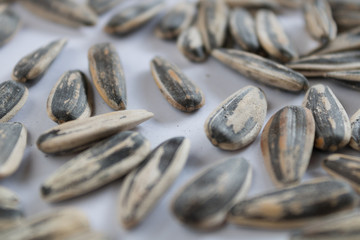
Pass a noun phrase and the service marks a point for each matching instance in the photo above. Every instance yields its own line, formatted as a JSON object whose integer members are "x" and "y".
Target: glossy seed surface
{"x": 10, "y": 209}
{"x": 102, "y": 6}
{"x": 355, "y": 131}
{"x": 205, "y": 200}
{"x": 178, "y": 90}
{"x": 10, "y": 24}
{"x": 145, "y": 185}
{"x": 191, "y": 45}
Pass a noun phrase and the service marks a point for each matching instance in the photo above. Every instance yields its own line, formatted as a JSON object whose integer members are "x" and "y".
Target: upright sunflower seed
{"x": 102, "y": 6}
{"x": 237, "y": 121}
{"x": 70, "y": 98}
{"x": 145, "y": 185}
{"x": 355, "y": 131}
{"x": 191, "y": 45}
{"x": 10, "y": 210}
{"x": 333, "y": 130}
{"x": 13, "y": 96}
{"x": 295, "y": 207}
{"x": 10, "y": 24}
{"x": 132, "y": 18}
{"x": 286, "y": 143}
{"x": 262, "y": 69}
{"x": 178, "y": 90}
{"x": 79, "y": 134}
{"x": 34, "y": 65}
{"x": 108, "y": 75}
{"x": 206, "y": 199}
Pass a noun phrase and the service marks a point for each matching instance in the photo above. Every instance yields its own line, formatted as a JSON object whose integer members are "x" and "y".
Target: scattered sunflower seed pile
{"x": 246, "y": 36}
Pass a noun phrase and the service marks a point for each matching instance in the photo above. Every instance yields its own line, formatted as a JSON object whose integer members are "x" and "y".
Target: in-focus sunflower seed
{"x": 295, "y": 207}
{"x": 355, "y": 131}
{"x": 145, "y": 185}
{"x": 108, "y": 75}
{"x": 10, "y": 24}
{"x": 70, "y": 98}
{"x": 178, "y": 90}
{"x": 262, "y": 69}
{"x": 88, "y": 235}
{"x": 132, "y": 18}
{"x": 206, "y": 199}
{"x": 333, "y": 129}
{"x": 191, "y": 45}
{"x": 34, "y": 65}
{"x": 10, "y": 210}
{"x": 237, "y": 121}
{"x": 105, "y": 162}
{"x": 13, "y": 96}
{"x": 287, "y": 143}
{"x": 79, "y": 134}
{"x": 102, "y": 6}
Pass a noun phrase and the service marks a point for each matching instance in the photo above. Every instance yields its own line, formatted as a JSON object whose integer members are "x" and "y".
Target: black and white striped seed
{"x": 10, "y": 24}
{"x": 11, "y": 213}
{"x": 355, "y": 131}
{"x": 271, "y": 4}
{"x": 191, "y": 45}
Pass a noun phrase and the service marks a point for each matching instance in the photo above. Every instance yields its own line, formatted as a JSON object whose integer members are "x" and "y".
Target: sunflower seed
{"x": 102, "y": 6}
{"x": 10, "y": 24}
{"x": 176, "y": 21}
{"x": 262, "y": 69}
{"x": 333, "y": 130}
{"x": 132, "y": 18}
{"x": 296, "y": 206}
{"x": 55, "y": 225}
{"x": 70, "y": 98}
{"x": 212, "y": 23}
{"x": 290, "y": 3}
{"x": 108, "y": 75}
{"x": 355, "y": 131}
{"x": 66, "y": 12}
{"x": 13, "y": 96}
{"x": 351, "y": 75}
{"x": 237, "y": 121}
{"x": 79, "y": 134}
{"x": 10, "y": 210}
{"x": 191, "y": 45}
{"x": 287, "y": 142}
{"x": 89, "y": 235}
{"x": 344, "y": 4}
{"x": 178, "y": 90}
{"x": 145, "y": 185}
{"x": 205, "y": 200}
{"x": 34, "y": 65}
{"x": 347, "y": 19}
{"x": 272, "y": 4}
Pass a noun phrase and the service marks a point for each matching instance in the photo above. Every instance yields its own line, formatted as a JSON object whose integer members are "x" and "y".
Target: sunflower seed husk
{"x": 271, "y": 4}
{"x": 347, "y": 19}
{"x": 206, "y": 199}
{"x": 296, "y": 206}
{"x": 333, "y": 129}
{"x": 261, "y": 69}
{"x": 290, "y": 3}
{"x": 177, "y": 89}
{"x": 132, "y": 18}
{"x": 79, "y": 134}
{"x": 70, "y": 98}
{"x": 287, "y": 142}
{"x": 344, "y": 4}
{"x": 102, "y": 6}
{"x": 10, "y": 24}
{"x": 108, "y": 75}
{"x": 145, "y": 185}
{"x": 237, "y": 121}
{"x": 355, "y": 131}
{"x": 351, "y": 75}
{"x": 242, "y": 28}
{"x": 10, "y": 210}
{"x": 13, "y": 96}
{"x": 212, "y": 23}
{"x": 34, "y": 65}
{"x": 191, "y": 45}
{"x": 88, "y": 235}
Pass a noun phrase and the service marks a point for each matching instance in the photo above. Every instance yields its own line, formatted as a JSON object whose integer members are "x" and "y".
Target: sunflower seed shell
{"x": 347, "y": 19}
{"x": 89, "y": 235}
{"x": 10, "y": 24}
{"x": 191, "y": 45}
{"x": 10, "y": 210}
{"x": 271, "y": 4}
{"x": 344, "y": 4}
{"x": 350, "y": 76}
{"x": 102, "y": 6}
{"x": 355, "y": 131}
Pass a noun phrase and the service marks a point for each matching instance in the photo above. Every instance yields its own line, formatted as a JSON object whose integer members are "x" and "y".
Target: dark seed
{"x": 191, "y": 45}
{"x": 10, "y": 210}
{"x": 10, "y": 24}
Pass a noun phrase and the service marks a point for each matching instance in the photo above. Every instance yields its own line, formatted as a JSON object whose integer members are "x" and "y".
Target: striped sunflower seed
{"x": 344, "y": 4}
{"x": 237, "y": 121}
{"x": 290, "y": 3}
{"x": 34, "y": 65}
{"x": 262, "y": 69}
{"x": 347, "y": 19}
{"x": 351, "y": 75}
{"x": 295, "y": 207}
{"x": 102, "y": 6}
{"x": 333, "y": 129}
{"x": 177, "y": 89}
{"x": 191, "y": 45}
{"x": 13, "y": 96}
{"x": 101, "y": 164}
{"x": 79, "y": 134}
{"x": 70, "y": 98}
{"x": 10, "y": 24}
{"x": 287, "y": 143}
{"x": 65, "y": 12}
{"x": 132, "y": 18}
{"x": 206, "y": 199}
{"x": 145, "y": 185}
{"x": 10, "y": 210}
{"x": 355, "y": 131}
{"x": 108, "y": 75}
{"x": 88, "y": 235}
{"x": 271, "y": 4}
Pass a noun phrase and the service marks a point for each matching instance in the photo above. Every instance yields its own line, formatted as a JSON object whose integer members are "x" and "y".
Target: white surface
{"x": 136, "y": 51}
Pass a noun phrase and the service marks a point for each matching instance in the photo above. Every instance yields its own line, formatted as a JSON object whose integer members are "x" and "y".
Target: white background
{"x": 136, "y": 51}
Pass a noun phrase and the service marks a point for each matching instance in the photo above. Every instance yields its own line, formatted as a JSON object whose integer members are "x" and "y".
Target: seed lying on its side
{"x": 55, "y": 225}
{"x": 355, "y": 131}
{"x": 35, "y": 64}
{"x": 108, "y": 75}
{"x": 145, "y": 185}
{"x": 295, "y": 207}
{"x": 191, "y": 45}
{"x": 206, "y": 199}
{"x": 10, "y": 210}
{"x": 333, "y": 129}
{"x": 13, "y": 96}
{"x": 262, "y": 69}
{"x": 272, "y": 4}
{"x": 290, "y": 3}
{"x": 178, "y": 90}
{"x": 347, "y": 19}
{"x": 287, "y": 143}
{"x": 66, "y": 12}
{"x": 347, "y": 76}
{"x": 10, "y": 24}
{"x": 79, "y": 134}
{"x": 132, "y": 18}
{"x": 237, "y": 121}
{"x": 344, "y": 4}
{"x": 88, "y": 235}
{"x": 102, "y": 6}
